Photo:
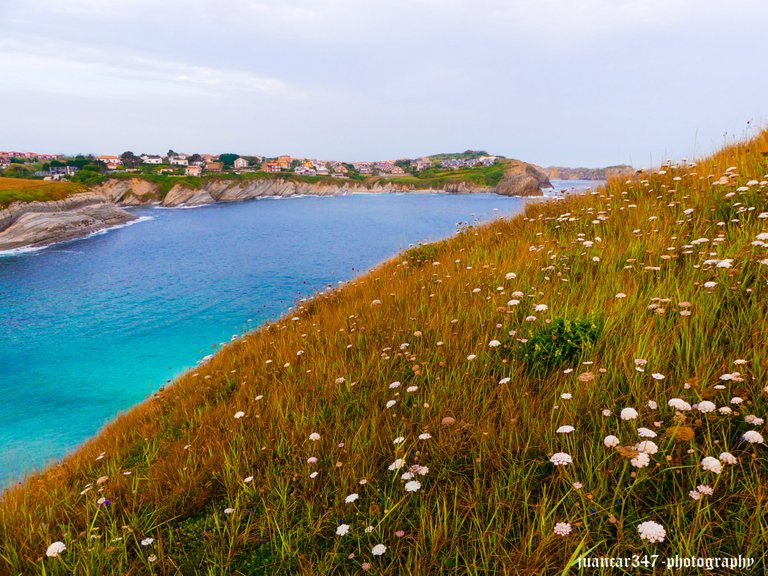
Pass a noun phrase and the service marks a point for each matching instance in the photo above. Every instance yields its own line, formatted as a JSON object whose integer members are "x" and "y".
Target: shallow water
{"x": 91, "y": 327}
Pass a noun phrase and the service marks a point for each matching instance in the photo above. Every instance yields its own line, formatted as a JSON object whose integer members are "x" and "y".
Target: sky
{"x": 554, "y": 82}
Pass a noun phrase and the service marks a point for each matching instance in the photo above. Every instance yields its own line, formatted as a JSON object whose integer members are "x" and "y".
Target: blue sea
{"x": 91, "y": 327}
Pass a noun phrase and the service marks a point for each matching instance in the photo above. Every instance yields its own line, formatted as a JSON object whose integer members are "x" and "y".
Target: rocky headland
{"x": 36, "y": 224}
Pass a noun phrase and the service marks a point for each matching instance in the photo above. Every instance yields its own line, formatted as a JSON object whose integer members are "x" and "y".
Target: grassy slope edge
{"x": 668, "y": 269}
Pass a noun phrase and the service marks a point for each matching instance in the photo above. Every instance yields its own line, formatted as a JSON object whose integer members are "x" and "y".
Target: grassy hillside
{"x": 437, "y": 178}
{"x": 24, "y": 190}
{"x": 423, "y": 404}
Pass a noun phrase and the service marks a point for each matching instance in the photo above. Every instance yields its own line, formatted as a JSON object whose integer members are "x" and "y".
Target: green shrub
{"x": 563, "y": 341}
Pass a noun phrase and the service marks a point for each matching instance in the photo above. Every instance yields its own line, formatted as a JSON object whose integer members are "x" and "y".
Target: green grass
{"x": 225, "y": 495}
{"x": 437, "y": 178}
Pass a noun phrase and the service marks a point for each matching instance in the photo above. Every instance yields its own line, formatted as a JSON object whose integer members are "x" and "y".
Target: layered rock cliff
{"x": 35, "y": 224}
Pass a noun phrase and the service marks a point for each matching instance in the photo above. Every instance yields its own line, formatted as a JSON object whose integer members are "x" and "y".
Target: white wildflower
{"x": 652, "y": 532}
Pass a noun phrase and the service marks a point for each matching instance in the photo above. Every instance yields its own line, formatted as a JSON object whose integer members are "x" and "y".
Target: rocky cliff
{"x": 34, "y": 224}
{"x": 522, "y": 179}
{"x": 563, "y": 173}
{"x": 43, "y": 223}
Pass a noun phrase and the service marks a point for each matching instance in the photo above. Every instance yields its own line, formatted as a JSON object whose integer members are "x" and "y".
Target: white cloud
{"x": 30, "y": 63}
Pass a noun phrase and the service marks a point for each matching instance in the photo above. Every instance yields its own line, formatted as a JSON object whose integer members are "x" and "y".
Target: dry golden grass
{"x": 219, "y": 494}
{"x": 26, "y": 190}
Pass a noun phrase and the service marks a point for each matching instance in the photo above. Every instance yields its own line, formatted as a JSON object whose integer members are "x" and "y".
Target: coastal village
{"x": 58, "y": 166}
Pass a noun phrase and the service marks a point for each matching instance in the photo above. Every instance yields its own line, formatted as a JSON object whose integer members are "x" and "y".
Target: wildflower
{"x": 397, "y": 464}
{"x": 412, "y": 486}
{"x": 147, "y": 541}
{"x": 728, "y": 458}
{"x": 577, "y": 485}
{"x": 340, "y": 380}
{"x": 420, "y": 470}
{"x": 505, "y": 380}
{"x": 562, "y": 528}
{"x": 620, "y": 295}
{"x": 351, "y": 498}
{"x": 652, "y": 405}
{"x": 561, "y": 459}
{"x": 753, "y": 437}
{"x": 566, "y": 395}
{"x": 658, "y": 376}
{"x": 513, "y": 302}
{"x": 314, "y": 436}
{"x": 494, "y": 343}
{"x": 363, "y": 482}
{"x": 754, "y": 420}
{"x": 425, "y": 436}
{"x": 711, "y": 464}
{"x": 704, "y": 489}
{"x": 706, "y": 406}
{"x": 510, "y": 276}
{"x": 369, "y": 529}
{"x": 628, "y": 414}
{"x": 228, "y": 510}
{"x": 342, "y": 529}
{"x": 710, "y": 284}
{"x": 314, "y": 475}
{"x": 647, "y": 447}
{"x": 378, "y": 550}
{"x": 646, "y": 433}
{"x": 55, "y": 549}
{"x": 394, "y": 385}
{"x": 239, "y": 414}
{"x": 407, "y": 476}
{"x": 540, "y": 308}
{"x": 152, "y": 558}
{"x": 399, "y": 440}
{"x": 391, "y": 403}
{"x": 411, "y": 388}
{"x": 694, "y": 494}
{"x": 606, "y": 412}
{"x": 652, "y": 532}
{"x": 400, "y": 533}
{"x": 611, "y": 441}
{"x": 530, "y": 318}
{"x": 311, "y": 460}
{"x": 471, "y": 357}
{"x": 248, "y": 479}
{"x": 641, "y": 460}
{"x": 737, "y": 400}
{"x": 679, "y": 404}
{"x": 365, "y": 566}
{"x": 565, "y": 429}
{"x": 724, "y": 410}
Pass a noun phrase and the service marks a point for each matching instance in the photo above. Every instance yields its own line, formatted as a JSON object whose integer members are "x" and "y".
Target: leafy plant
{"x": 563, "y": 341}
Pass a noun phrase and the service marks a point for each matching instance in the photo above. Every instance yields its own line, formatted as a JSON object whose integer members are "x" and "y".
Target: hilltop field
{"x": 588, "y": 379}
{"x": 26, "y": 190}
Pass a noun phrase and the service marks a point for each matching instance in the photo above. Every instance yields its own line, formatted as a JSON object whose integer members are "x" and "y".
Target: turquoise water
{"x": 91, "y": 327}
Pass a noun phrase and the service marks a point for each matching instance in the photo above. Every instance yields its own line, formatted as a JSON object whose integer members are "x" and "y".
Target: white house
{"x": 241, "y": 163}
{"x": 146, "y": 159}
{"x": 178, "y": 160}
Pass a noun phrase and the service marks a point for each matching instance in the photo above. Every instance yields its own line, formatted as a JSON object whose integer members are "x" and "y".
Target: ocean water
{"x": 91, "y": 327}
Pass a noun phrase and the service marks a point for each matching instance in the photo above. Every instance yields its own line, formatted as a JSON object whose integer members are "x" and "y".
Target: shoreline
{"x": 54, "y": 219}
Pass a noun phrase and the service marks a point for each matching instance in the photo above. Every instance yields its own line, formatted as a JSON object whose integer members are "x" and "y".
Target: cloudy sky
{"x": 570, "y": 82}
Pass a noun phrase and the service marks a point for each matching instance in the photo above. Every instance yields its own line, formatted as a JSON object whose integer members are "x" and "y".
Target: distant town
{"x": 59, "y": 166}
